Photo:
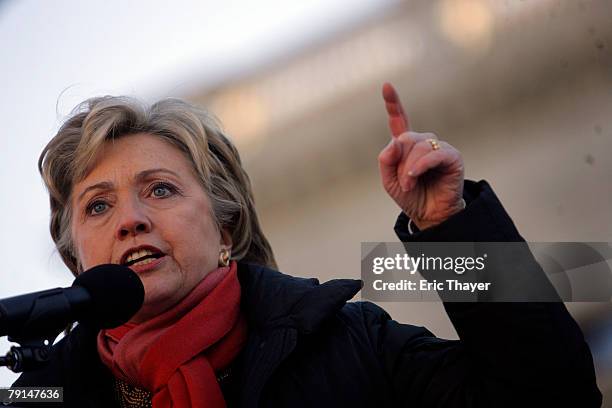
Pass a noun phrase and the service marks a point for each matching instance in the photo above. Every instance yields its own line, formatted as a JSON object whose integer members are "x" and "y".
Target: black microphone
{"x": 105, "y": 296}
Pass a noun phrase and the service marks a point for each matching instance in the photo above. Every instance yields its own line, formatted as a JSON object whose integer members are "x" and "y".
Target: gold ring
{"x": 434, "y": 144}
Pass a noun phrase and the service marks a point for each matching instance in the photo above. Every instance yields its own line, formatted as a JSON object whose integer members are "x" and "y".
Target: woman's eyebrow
{"x": 104, "y": 185}
{"x": 147, "y": 173}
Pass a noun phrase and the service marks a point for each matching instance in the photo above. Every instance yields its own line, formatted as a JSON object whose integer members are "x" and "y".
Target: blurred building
{"x": 522, "y": 88}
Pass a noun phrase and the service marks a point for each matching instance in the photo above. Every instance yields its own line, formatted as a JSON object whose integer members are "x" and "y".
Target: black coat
{"x": 308, "y": 347}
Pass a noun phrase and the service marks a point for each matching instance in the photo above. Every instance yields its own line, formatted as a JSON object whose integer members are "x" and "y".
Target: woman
{"x": 162, "y": 190}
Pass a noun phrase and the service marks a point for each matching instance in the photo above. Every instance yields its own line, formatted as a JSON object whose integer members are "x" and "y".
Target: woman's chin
{"x": 150, "y": 309}
{"x": 160, "y": 295}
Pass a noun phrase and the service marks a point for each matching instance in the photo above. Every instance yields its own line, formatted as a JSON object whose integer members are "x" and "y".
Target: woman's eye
{"x": 162, "y": 190}
{"x": 97, "y": 207}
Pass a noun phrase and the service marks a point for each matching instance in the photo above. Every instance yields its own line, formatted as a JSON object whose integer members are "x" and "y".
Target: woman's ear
{"x": 226, "y": 239}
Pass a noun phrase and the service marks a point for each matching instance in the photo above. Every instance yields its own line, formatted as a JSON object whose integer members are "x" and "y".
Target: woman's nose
{"x": 133, "y": 222}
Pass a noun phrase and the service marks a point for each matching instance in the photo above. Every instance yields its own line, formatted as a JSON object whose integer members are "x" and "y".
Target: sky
{"x": 56, "y": 54}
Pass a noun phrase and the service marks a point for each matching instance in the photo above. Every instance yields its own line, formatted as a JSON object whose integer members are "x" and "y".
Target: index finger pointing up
{"x": 398, "y": 122}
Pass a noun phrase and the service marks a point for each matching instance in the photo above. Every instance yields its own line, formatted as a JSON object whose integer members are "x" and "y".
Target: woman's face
{"x": 143, "y": 206}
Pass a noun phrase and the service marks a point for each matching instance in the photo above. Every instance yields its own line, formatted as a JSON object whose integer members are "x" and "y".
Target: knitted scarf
{"x": 175, "y": 355}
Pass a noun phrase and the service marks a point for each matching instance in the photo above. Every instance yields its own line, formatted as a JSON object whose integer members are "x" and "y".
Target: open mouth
{"x": 141, "y": 256}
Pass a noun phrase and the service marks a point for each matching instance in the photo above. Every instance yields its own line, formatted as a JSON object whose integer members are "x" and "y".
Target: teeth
{"x": 138, "y": 254}
{"x": 144, "y": 261}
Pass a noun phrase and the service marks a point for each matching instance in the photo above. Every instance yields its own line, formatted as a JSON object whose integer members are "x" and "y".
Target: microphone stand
{"x": 32, "y": 353}
{"x": 36, "y": 335}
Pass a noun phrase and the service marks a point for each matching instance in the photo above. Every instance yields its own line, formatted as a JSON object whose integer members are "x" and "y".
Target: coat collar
{"x": 271, "y": 299}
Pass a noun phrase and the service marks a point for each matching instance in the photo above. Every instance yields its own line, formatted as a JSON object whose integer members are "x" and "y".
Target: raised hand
{"x": 422, "y": 174}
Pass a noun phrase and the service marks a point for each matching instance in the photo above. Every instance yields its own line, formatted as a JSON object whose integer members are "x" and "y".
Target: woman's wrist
{"x": 425, "y": 224}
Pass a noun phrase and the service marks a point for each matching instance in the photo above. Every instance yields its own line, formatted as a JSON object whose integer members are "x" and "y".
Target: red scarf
{"x": 176, "y": 354}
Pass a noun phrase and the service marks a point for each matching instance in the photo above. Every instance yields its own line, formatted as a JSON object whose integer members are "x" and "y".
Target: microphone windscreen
{"x": 116, "y": 294}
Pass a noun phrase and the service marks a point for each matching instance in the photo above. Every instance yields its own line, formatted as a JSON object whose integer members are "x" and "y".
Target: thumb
{"x": 388, "y": 160}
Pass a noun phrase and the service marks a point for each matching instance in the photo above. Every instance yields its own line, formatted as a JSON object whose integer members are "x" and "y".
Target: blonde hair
{"x": 71, "y": 154}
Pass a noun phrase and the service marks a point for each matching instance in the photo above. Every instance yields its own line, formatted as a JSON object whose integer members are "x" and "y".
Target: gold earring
{"x": 224, "y": 257}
